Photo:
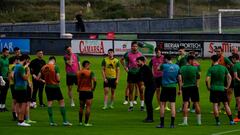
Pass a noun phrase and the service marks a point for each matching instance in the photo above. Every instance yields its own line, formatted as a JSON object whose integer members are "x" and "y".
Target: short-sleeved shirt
{"x": 85, "y": 77}
{"x": 236, "y": 69}
{"x": 72, "y": 70}
{"x": 189, "y": 74}
{"x": 36, "y": 65}
{"x": 155, "y": 64}
{"x": 224, "y": 61}
{"x": 181, "y": 60}
{"x": 146, "y": 75}
{"x": 111, "y": 66}
{"x": 4, "y": 63}
{"x": 170, "y": 74}
{"x": 131, "y": 61}
{"x": 19, "y": 82}
{"x": 49, "y": 73}
{"x": 218, "y": 74}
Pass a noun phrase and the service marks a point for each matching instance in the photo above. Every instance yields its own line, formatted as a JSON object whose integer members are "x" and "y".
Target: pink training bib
{"x": 133, "y": 59}
{"x": 156, "y": 62}
{"x": 75, "y": 66}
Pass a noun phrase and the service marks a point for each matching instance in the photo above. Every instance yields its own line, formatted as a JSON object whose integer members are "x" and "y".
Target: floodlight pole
{"x": 171, "y": 7}
{"x": 220, "y": 22}
{"x": 62, "y": 18}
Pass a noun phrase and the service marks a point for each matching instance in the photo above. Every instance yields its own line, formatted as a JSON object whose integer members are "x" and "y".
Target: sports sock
{"x": 135, "y": 98}
{"x": 185, "y": 120}
{"x": 162, "y": 121}
{"x": 230, "y": 117}
{"x": 142, "y": 103}
{"x": 105, "y": 103}
{"x": 199, "y": 121}
{"x": 63, "y": 113}
{"x": 126, "y": 98}
{"x": 3, "y": 106}
{"x": 14, "y": 115}
{"x": 217, "y": 119}
{"x": 50, "y": 114}
{"x": 131, "y": 103}
{"x": 80, "y": 116}
{"x": 112, "y": 103}
{"x": 87, "y": 117}
{"x": 172, "y": 120}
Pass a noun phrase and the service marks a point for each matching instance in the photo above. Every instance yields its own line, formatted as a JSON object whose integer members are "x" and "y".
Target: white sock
{"x": 199, "y": 119}
{"x": 142, "y": 102}
{"x": 105, "y": 103}
{"x": 0, "y": 106}
{"x": 185, "y": 120}
{"x": 111, "y": 103}
{"x": 131, "y": 103}
{"x": 3, "y": 105}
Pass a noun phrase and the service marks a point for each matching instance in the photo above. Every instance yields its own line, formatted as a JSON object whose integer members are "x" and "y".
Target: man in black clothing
{"x": 80, "y": 24}
{"x": 35, "y": 67}
{"x": 147, "y": 78}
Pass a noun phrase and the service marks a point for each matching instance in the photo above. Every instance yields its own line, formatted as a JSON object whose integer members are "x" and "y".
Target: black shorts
{"x": 21, "y": 96}
{"x": 71, "y": 79}
{"x": 29, "y": 94}
{"x": 237, "y": 90}
{"x": 190, "y": 93}
{"x": 168, "y": 94}
{"x": 158, "y": 82}
{"x": 53, "y": 93}
{"x": 133, "y": 78}
{"x": 111, "y": 83}
{"x": 85, "y": 95}
{"x": 13, "y": 91}
{"x": 218, "y": 96}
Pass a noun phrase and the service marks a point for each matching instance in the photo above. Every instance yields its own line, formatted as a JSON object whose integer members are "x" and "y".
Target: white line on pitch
{"x": 226, "y": 132}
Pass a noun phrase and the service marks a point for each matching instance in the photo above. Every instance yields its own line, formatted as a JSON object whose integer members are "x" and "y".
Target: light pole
{"x": 171, "y": 12}
{"x": 62, "y": 18}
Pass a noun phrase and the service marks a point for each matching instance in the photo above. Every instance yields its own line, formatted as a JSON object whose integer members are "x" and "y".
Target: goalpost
{"x": 220, "y": 11}
{"x": 221, "y": 21}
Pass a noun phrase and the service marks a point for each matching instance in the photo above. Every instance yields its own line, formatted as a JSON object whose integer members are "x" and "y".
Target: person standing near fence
{"x": 72, "y": 65}
{"x": 35, "y": 67}
{"x": 4, "y": 63}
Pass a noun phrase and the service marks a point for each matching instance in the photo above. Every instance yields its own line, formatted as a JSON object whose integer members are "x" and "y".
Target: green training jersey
{"x": 4, "y": 63}
{"x": 181, "y": 60}
{"x": 218, "y": 74}
{"x": 236, "y": 69}
{"x": 189, "y": 75}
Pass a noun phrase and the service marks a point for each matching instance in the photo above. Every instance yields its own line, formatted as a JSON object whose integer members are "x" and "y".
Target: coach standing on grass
{"x": 72, "y": 63}
{"x": 217, "y": 74}
{"x": 146, "y": 76}
{"x": 38, "y": 86}
{"x": 169, "y": 82}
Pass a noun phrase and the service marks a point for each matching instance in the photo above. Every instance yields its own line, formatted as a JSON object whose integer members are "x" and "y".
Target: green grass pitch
{"x": 117, "y": 121}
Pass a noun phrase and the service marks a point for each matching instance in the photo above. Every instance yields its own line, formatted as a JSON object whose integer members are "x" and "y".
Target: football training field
{"x": 117, "y": 121}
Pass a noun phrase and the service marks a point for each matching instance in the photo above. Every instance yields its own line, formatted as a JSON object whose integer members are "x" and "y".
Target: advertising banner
{"x": 96, "y": 47}
{"x": 171, "y": 47}
{"x": 146, "y": 47}
{"x": 209, "y": 48}
{"x": 23, "y": 44}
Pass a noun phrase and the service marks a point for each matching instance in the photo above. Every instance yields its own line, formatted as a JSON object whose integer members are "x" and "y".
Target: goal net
{"x": 223, "y": 21}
